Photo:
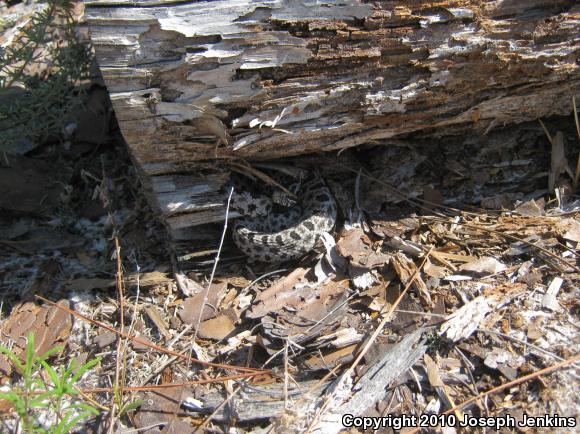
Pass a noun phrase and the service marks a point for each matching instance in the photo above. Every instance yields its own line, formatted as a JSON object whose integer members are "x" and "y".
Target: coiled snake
{"x": 267, "y": 236}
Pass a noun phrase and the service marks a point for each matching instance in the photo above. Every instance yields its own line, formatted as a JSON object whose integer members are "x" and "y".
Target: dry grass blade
{"x": 514, "y": 238}
{"x": 515, "y": 382}
{"x": 577, "y": 174}
{"x": 171, "y": 385}
{"x": 246, "y": 169}
{"x": 120, "y": 363}
{"x": 551, "y": 140}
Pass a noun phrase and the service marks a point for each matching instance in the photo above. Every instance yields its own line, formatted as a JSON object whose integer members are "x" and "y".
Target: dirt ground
{"x": 449, "y": 291}
{"x": 487, "y": 297}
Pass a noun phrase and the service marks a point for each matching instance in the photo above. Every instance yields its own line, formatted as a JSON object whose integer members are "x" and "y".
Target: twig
{"x": 136, "y": 304}
{"x": 257, "y": 279}
{"x": 469, "y": 369}
{"x": 286, "y": 344}
{"x": 172, "y": 385}
{"x": 261, "y": 175}
{"x": 550, "y": 139}
{"x": 209, "y": 283}
{"x": 215, "y": 263}
{"x": 370, "y": 342}
{"x": 577, "y": 174}
{"x": 145, "y": 428}
{"x": 515, "y": 382}
{"x": 332, "y": 312}
{"x": 120, "y": 356}
{"x": 281, "y": 351}
{"x": 136, "y": 339}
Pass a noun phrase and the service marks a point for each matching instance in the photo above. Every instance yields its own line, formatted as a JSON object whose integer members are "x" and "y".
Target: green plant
{"x": 129, "y": 406}
{"x": 45, "y": 388}
{"x": 39, "y": 76}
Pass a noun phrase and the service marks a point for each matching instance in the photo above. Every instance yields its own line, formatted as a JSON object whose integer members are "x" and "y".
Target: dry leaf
{"x": 216, "y": 328}
{"x": 531, "y": 208}
{"x": 559, "y": 162}
{"x": 191, "y": 307}
{"x": 483, "y": 265}
{"x": 356, "y": 246}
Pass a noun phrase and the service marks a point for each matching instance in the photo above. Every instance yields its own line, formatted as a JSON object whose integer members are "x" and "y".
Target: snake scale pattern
{"x": 266, "y": 236}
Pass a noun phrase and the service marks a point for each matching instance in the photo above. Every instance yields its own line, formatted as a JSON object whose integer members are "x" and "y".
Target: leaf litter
{"x": 455, "y": 272}
{"x": 444, "y": 304}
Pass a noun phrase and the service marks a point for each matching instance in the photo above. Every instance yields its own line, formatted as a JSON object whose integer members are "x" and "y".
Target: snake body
{"x": 272, "y": 237}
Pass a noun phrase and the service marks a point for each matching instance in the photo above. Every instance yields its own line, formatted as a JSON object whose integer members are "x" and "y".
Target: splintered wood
{"x": 449, "y": 289}
{"x": 261, "y": 80}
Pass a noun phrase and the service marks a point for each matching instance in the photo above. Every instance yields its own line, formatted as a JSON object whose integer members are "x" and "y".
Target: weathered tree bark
{"x": 206, "y": 80}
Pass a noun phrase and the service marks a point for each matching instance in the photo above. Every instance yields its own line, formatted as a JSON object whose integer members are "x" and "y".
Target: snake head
{"x": 284, "y": 199}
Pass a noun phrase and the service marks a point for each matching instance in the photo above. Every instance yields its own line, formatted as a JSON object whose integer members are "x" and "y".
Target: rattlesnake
{"x": 271, "y": 237}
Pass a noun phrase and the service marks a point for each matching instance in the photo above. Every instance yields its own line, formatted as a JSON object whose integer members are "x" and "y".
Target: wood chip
{"x": 464, "y": 321}
{"x": 484, "y": 265}
{"x": 50, "y": 325}
{"x": 159, "y": 321}
{"x": 405, "y": 269}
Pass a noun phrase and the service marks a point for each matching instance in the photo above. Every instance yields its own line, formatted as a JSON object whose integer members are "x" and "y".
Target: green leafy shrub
{"x": 39, "y": 76}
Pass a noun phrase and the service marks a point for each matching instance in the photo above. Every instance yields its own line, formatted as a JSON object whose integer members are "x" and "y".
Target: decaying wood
{"x": 194, "y": 81}
{"x": 260, "y": 403}
{"x": 373, "y": 385}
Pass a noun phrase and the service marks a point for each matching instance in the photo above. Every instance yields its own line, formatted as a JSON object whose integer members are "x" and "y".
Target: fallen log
{"x": 193, "y": 83}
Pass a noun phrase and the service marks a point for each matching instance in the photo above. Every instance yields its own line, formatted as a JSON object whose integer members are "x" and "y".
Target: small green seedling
{"x": 45, "y": 401}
